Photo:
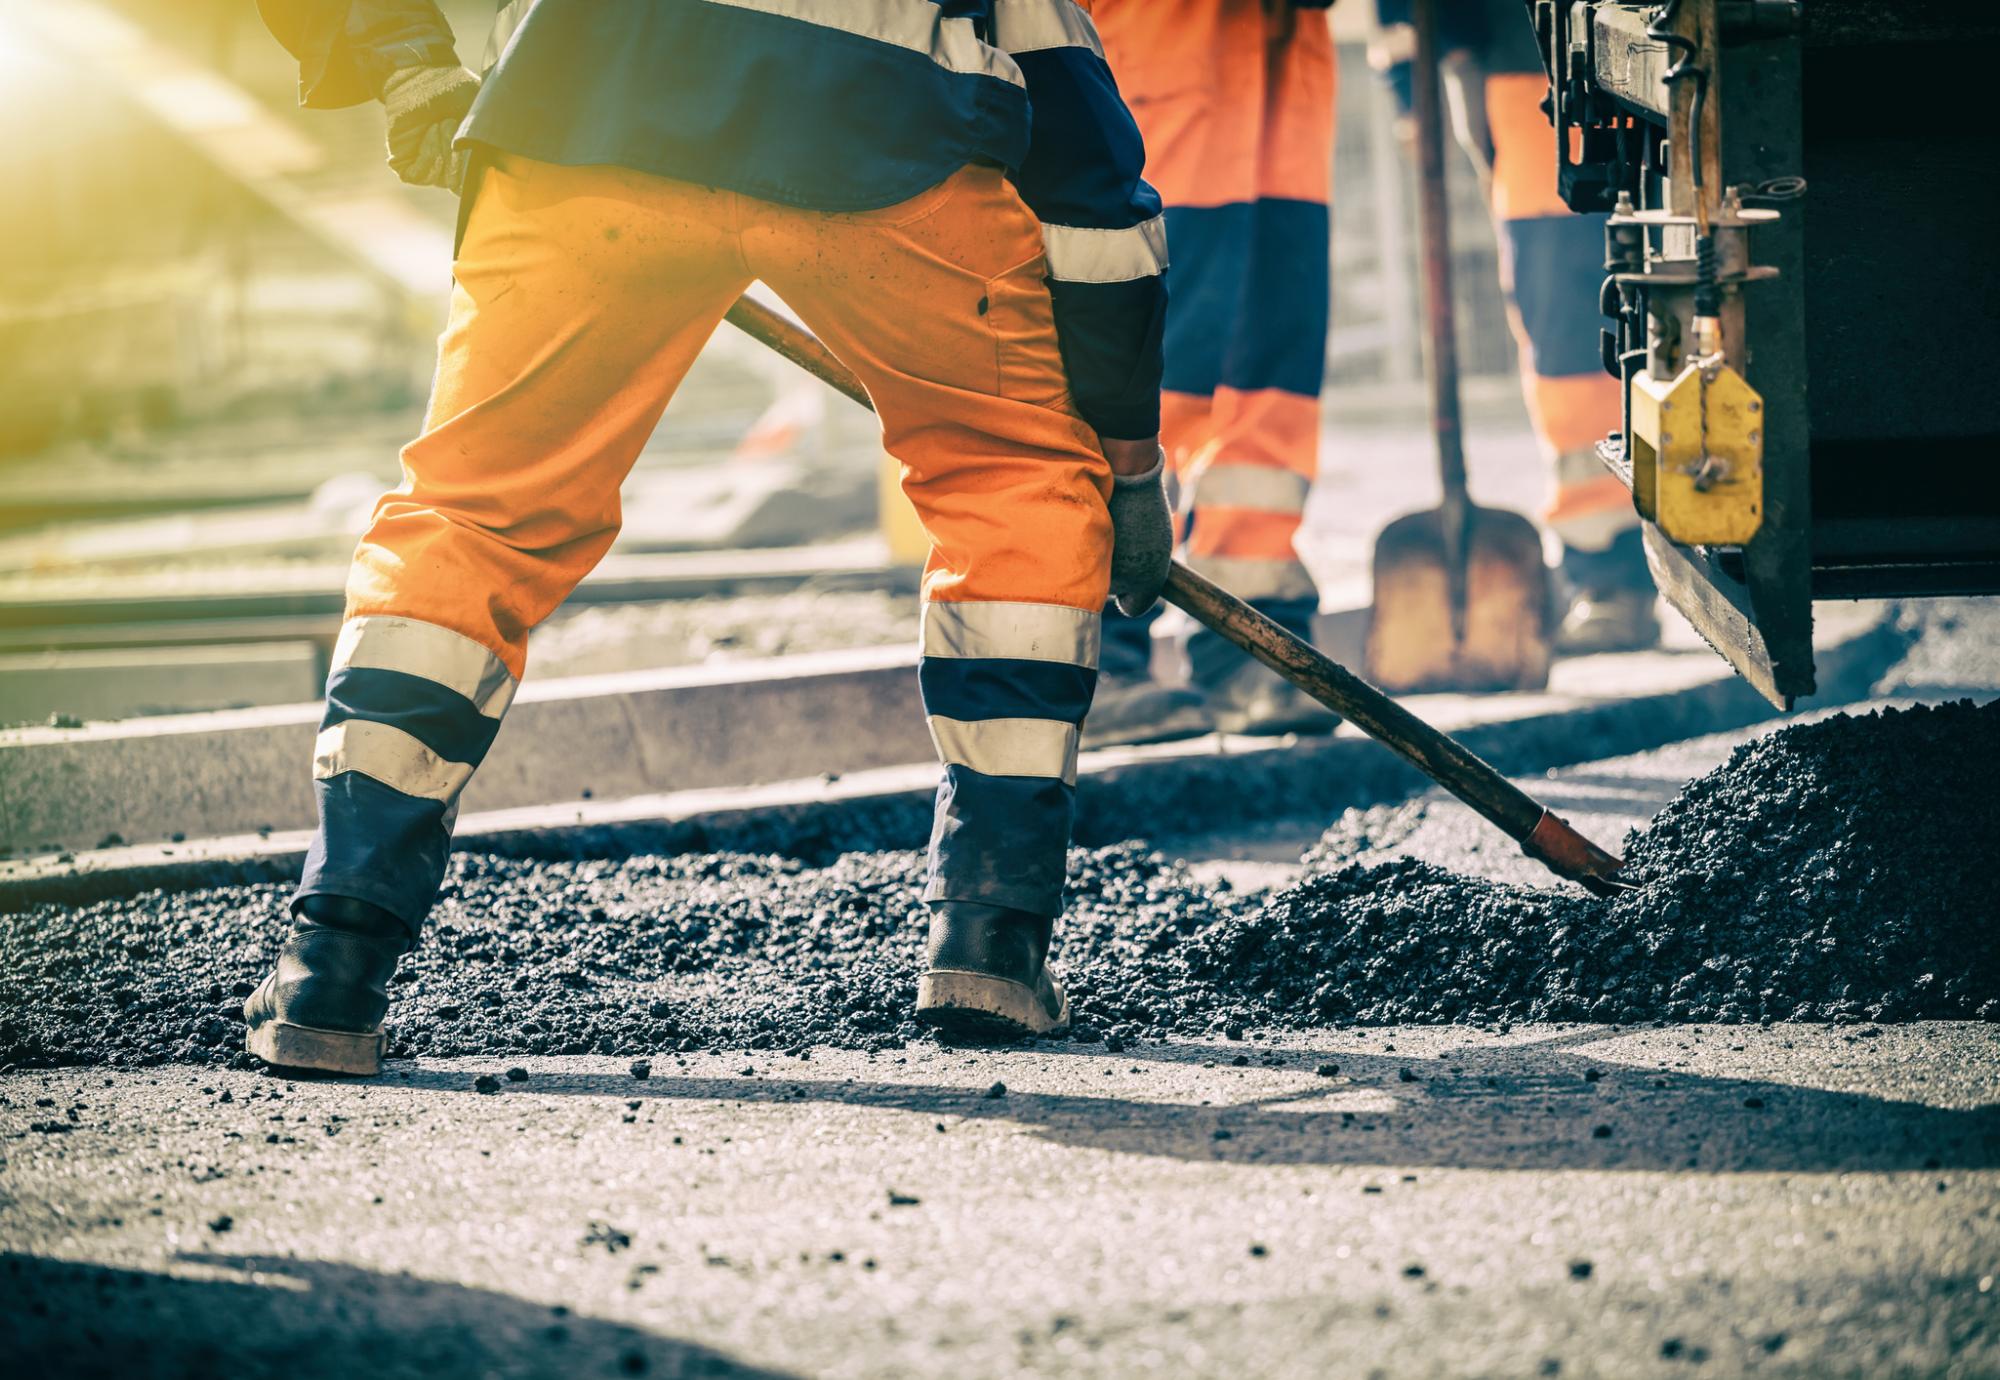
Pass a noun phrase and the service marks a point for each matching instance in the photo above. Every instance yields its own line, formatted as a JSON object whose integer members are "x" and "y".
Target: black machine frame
{"x": 1869, "y": 342}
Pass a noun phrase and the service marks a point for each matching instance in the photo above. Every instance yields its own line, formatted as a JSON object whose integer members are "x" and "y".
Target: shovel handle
{"x": 1543, "y": 835}
{"x": 797, "y": 344}
{"x": 1434, "y": 223}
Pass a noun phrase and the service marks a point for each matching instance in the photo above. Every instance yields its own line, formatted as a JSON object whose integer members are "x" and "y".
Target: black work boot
{"x": 1244, "y": 695}
{"x": 321, "y": 1008}
{"x": 1143, "y": 710}
{"x": 1613, "y": 606}
{"x": 987, "y": 976}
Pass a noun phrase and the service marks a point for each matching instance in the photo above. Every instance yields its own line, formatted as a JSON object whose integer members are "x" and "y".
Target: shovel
{"x": 1543, "y": 835}
{"x": 1462, "y": 598}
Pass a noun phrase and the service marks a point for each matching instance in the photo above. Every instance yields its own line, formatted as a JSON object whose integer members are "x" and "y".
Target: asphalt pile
{"x": 1841, "y": 869}
{"x": 1836, "y": 870}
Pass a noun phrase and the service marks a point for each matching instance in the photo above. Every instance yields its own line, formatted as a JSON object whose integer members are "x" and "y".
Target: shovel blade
{"x": 1508, "y": 607}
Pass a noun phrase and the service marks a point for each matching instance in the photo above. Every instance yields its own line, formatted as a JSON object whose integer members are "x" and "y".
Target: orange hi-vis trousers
{"x": 582, "y": 296}
{"x": 1235, "y": 100}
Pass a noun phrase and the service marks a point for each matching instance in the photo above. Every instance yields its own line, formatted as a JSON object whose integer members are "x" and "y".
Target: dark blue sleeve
{"x": 348, "y": 48}
{"x": 1101, "y": 222}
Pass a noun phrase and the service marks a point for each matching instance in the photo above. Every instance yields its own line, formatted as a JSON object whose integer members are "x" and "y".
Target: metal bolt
{"x": 1756, "y": 407}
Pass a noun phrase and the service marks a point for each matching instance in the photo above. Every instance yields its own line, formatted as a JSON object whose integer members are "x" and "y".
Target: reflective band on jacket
{"x": 1031, "y": 26}
{"x": 918, "y": 25}
{"x": 1081, "y": 255}
{"x": 1011, "y": 631}
{"x": 1250, "y": 486}
{"x": 388, "y": 755}
{"x": 1008, "y": 747}
{"x": 382, "y": 643}
{"x": 1252, "y": 579}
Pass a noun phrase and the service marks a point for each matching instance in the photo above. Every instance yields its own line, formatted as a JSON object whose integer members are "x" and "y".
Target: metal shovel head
{"x": 1508, "y": 608}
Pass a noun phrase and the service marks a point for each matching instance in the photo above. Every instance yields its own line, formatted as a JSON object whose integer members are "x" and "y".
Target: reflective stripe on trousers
{"x": 1006, "y": 686}
{"x": 411, "y": 708}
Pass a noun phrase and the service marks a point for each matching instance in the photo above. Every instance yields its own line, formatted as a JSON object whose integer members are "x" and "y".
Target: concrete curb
{"x": 607, "y": 737}
{"x": 1153, "y": 792}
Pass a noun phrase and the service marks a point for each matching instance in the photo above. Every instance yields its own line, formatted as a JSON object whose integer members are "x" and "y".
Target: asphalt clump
{"x": 1834, "y": 870}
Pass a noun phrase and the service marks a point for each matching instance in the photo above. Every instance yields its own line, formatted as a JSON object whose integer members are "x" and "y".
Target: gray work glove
{"x": 1142, "y": 538}
{"x": 426, "y": 105}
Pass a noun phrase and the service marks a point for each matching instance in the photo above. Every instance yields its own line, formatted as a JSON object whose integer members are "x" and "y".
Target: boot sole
{"x": 979, "y": 1007}
{"x": 289, "y": 1046}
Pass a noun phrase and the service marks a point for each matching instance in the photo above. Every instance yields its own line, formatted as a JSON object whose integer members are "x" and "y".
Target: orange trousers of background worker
{"x": 582, "y": 296}
{"x": 1235, "y": 99}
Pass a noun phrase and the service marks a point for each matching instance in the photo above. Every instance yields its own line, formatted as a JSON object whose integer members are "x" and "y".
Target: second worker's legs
{"x": 1236, "y": 104}
{"x": 1248, "y": 484}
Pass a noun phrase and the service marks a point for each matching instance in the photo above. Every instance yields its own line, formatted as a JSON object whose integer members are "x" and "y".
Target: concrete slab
{"x": 1578, "y": 1201}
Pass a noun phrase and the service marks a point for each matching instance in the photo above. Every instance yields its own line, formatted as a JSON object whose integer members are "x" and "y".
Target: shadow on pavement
{"x": 305, "y": 1319}
{"x": 1528, "y": 1107}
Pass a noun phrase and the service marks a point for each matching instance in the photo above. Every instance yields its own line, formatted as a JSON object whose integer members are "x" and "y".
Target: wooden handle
{"x": 1542, "y": 835}
{"x": 1444, "y": 760}
{"x": 1434, "y": 222}
{"x": 799, "y": 345}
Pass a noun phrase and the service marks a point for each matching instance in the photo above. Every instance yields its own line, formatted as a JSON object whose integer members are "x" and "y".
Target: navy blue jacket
{"x": 831, "y": 105}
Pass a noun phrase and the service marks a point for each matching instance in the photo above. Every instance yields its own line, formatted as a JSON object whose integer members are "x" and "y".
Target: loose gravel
{"x": 1837, "y": 870}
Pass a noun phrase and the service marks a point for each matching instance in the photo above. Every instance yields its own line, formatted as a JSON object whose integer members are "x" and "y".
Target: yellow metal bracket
{"x": 1698, "y": 454}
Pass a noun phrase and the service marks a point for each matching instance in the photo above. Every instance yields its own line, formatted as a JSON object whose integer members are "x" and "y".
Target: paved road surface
{"x": 1575, "y": 1201}
{"x": 1796, "y": 1201}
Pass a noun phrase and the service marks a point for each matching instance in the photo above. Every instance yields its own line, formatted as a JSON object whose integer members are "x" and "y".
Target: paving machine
{"x": 1801, "y": 293}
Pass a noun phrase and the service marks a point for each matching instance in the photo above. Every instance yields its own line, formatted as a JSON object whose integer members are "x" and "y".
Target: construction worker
{"x": 950, "y": 196}
{"x": 1551, "y": 267}
{"x": 1235, "y": 99}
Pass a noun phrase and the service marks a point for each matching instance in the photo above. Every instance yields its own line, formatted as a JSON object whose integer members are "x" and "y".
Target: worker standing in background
{"x": 1551, "y": 268}
{"x": 1235, "y": 99}
{"x": 950, "y": 196}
